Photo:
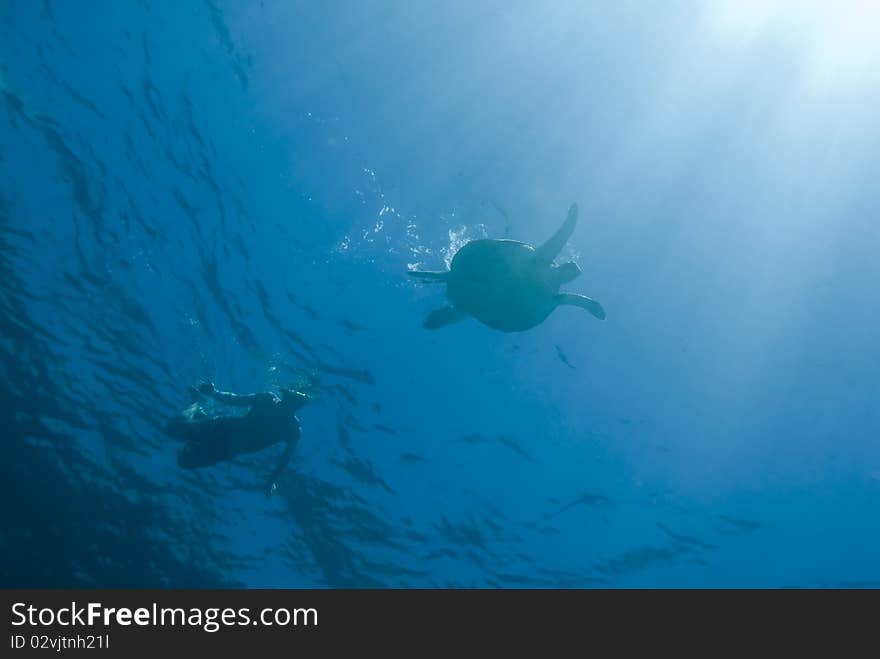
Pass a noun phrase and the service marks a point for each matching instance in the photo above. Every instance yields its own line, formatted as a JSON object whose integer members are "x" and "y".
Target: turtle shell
{"x": 501, "y": 284}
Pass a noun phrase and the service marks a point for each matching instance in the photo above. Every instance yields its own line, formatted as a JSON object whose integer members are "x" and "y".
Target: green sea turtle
{"x": 508, "y": 285}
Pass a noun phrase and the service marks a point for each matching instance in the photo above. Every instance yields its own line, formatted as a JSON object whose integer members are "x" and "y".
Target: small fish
{"x": 503, "y": 214}
{"x": 515, "y": 447}
{"x": 563, "y": 358}
{"x": 587, "y": 499}
{"x": 734, "y": 525}
{"x": 474, "y": 438}
{"x": 363, "y": 472}
{"x": 412, "y": 458}
{"x": 351, "y": 325}
{"x": 681, "y": 539}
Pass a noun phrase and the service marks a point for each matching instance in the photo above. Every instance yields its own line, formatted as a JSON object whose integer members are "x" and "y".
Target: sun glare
{"x": 841, "y": 39}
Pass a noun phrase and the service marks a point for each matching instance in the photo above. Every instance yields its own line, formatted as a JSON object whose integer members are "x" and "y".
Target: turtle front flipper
{"x": 583, "y": 302}
{"x": 426, "y": 275}
{"x": 442, "y": 317}
{"x": 550, "y": 249}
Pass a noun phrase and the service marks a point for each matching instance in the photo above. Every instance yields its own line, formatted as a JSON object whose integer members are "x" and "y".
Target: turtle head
{"x": 566, "y": 272}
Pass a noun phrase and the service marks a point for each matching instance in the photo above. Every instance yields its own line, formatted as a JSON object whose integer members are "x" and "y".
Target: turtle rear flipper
{"x": 583, "y": 302}
{"x": 442, "y": 317}
{"x": 550, "y": 249}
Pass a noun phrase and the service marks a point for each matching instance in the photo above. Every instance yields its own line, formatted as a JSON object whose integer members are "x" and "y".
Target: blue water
{"x": 234, "y": 191}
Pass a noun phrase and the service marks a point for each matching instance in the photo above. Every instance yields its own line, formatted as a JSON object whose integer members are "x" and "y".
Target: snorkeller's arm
{"x": 228, "y": 398}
